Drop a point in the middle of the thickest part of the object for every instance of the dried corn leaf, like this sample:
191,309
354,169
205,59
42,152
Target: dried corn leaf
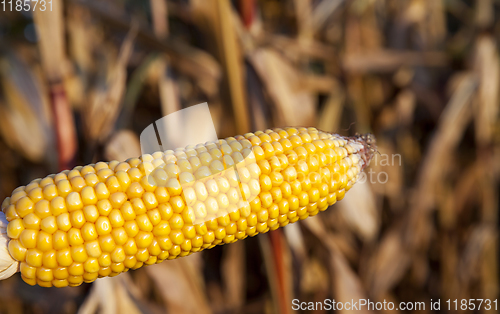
291,106
331,115
159,15
487,66
110,295
23,116
180,284
122,145
359,210
389,61
233,276
346,284
169,90
50,30
105,101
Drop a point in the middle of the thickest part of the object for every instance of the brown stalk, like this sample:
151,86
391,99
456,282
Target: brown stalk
50,30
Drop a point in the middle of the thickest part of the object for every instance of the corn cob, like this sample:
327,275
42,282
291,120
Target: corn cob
106,218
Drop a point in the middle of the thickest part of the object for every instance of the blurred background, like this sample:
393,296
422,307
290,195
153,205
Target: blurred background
80,81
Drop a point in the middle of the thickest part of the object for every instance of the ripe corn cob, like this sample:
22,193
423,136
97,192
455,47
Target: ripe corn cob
106,218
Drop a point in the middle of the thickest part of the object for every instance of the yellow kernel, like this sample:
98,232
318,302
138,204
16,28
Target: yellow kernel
58,206
104,174
276,194
212,206
313,195
77,183
220,233
42,209
91,179
148,183
113,185
117,199
123,179
149,200
142,255
242,224
138,205
75,237
176,221
104,261
93,249
162,195
143,239
154,249
101,191
44,274
17,251
134,174
303,198
135,190
266,199
90,213
144,223
17,195
119,235
89,232
209,237
177,204
78,254
103,226
116,219
186,177
107,243
130,262
189,231
76,269
49,192
274,211
75,281
61,273
35,194
60,240
14,228
177,237
87,169
212,187
118,255
49,259
34,257
123,166
130,247
91,265
74,201
131,228
49,224
27,270
24,206
265,182
263,215
63,222
252,220
44,241
77,218
127,211
28,237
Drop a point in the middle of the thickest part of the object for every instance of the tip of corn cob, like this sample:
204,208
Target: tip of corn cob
369,147
8,265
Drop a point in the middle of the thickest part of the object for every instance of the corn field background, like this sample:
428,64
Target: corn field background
79,83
